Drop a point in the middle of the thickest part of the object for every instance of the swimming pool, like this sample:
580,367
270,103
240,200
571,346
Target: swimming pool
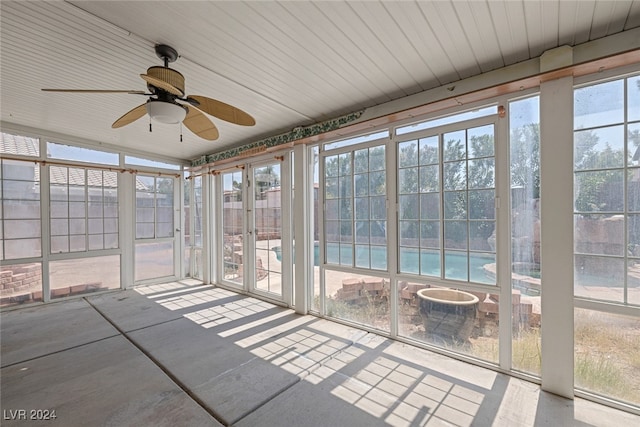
457,266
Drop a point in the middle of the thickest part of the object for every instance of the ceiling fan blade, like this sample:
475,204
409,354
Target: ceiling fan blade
130,116
154,81
200,124
223,111
133,92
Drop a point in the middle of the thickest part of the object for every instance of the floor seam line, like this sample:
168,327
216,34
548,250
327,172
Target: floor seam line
151,326
165,370
267,401
308,372
59,351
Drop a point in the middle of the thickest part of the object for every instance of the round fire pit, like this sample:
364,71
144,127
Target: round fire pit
448,314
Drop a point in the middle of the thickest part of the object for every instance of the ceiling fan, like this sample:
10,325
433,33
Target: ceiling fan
167,102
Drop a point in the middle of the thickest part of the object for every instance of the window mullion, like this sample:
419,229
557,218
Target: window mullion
441,204
353,209
86,210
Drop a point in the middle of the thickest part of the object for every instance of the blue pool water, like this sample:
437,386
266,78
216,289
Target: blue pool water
457,266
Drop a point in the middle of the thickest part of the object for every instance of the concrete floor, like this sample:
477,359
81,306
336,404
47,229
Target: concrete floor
187,354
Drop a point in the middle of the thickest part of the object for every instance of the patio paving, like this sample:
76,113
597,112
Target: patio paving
188,354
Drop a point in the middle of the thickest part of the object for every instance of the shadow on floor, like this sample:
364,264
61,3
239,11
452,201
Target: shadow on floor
213,356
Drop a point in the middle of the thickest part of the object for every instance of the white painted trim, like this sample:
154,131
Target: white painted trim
503,237
45,227
178,239
84,254
322,256
303,229
190,189
607,307
607,75
209,251
392,202
126,201
556,242
286,230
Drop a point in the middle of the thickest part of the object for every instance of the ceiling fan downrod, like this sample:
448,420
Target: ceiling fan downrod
166,53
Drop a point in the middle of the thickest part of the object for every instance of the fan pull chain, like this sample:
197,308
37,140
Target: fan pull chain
150,124
180,131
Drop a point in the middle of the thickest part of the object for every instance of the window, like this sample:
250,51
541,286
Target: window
197,215
433,123
232,226
83,209
130,160
606,199
153,260
21,283
355,208
446,197
524,147
357,140
154,207
197,228
607,191
355,234
193,226
67,152
20,231
20,220
70,277
267,221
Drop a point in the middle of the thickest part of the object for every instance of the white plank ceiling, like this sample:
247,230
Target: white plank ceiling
288,63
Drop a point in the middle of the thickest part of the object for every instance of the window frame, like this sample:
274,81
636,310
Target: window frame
351,148
585,302
86,187
439,131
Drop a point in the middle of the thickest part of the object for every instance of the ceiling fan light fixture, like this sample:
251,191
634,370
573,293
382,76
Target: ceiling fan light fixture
165,87
166,112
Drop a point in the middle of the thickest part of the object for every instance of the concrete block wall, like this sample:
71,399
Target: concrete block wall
20,283
20,278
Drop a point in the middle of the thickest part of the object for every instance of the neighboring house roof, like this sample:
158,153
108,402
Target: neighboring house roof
75,176
19,145
58,175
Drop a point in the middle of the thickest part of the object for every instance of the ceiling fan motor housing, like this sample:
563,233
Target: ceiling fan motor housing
167,75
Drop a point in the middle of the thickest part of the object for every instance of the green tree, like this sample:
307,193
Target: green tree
481,184
525,159
634,138
598,178
454,168
164,185
482,164
265,178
